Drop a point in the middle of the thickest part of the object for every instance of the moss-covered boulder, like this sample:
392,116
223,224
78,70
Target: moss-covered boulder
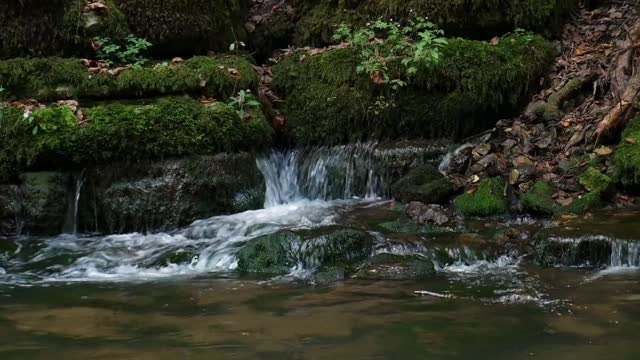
277,254
489,199
57,78
628,156
472,19
327,102
396,267
424,184
595,181
31,28
185,27
45,201
539,199
169,127
591,251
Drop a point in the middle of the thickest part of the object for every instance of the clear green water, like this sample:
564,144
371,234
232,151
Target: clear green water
237,319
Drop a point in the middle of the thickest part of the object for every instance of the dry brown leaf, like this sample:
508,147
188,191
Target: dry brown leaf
630,140
495,41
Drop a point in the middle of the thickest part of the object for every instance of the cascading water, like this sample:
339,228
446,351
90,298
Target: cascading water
71,226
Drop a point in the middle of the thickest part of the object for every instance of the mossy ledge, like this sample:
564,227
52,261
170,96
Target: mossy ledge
474,19
170,127
488,200
327,102
46,79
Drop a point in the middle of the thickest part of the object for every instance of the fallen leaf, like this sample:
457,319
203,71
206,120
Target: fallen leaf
582,50
176,60
233,71
630,140
566,123
568,217
565,201
475,179
472,190
495,41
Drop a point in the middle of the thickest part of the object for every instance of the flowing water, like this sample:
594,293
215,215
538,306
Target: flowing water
178,294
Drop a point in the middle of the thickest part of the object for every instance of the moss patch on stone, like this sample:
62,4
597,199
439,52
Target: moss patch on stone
595,181
627,158
487,200
538,200
116,132
328,102
57,78
424,184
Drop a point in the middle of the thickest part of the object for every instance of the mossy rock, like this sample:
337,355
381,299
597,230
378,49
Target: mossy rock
407,226
35,28
488,200
582,204
592,252
471,19
538,200
277,254
396,267
55,78
424,184
186,27
46,201
595,181
327,102
170,127
627,158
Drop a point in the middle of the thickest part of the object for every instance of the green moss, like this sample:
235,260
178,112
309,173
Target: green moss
186,26
169,127
488,200
55,27
538,200
594,180
474,19
54,78
628,156
328,102
268,254
582,204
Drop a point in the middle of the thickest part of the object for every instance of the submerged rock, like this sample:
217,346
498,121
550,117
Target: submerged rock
396,267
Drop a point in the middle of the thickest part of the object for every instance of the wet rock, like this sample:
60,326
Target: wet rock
278,253
487,200
45,201
481,151
538,200
427,214
457,161
10,210
396,267
424,184
486,163
172,193
590,251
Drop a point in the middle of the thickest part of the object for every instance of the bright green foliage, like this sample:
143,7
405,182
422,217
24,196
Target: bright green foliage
116,132
186,26
488,200
391,52
469,18
474,84
628,156
54,27
594,180
538,200
130,54
244,100
54,78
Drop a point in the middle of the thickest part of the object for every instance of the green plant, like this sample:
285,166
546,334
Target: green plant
243,100
236,45
48,120
129,54
390,52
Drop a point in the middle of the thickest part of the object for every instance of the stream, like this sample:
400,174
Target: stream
568,291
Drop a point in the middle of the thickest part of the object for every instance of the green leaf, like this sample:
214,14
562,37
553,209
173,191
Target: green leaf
34,131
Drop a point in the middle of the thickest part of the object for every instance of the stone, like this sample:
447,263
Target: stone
427,214
457,161
10,211
46,197
424,184
487,200
396,267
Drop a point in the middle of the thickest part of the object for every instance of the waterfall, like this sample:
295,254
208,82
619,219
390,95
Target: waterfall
340,172
625,253
71,224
